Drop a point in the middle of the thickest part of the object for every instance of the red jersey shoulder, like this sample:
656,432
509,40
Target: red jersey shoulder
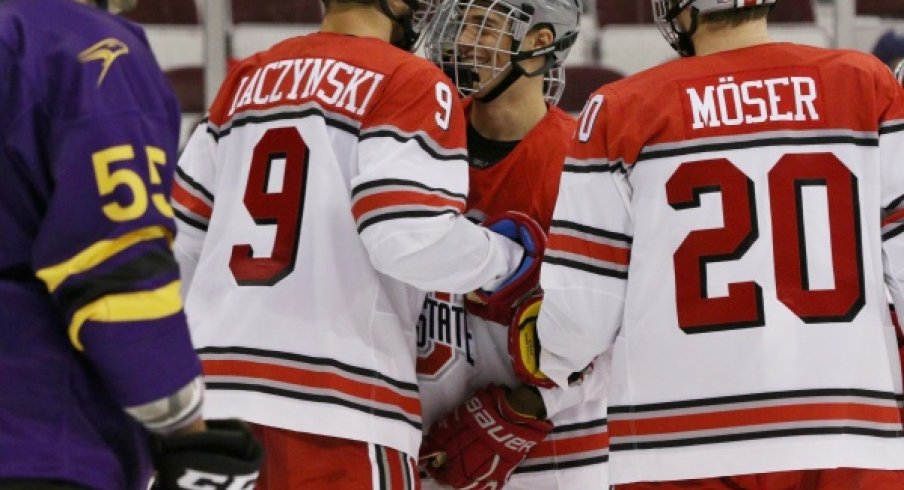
527,179
734,94
561,122
548,141
418,98
329,72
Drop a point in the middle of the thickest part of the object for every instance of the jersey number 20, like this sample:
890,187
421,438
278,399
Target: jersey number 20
743,306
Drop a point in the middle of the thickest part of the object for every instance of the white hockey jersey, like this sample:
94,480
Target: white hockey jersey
326,184
723,226
464,347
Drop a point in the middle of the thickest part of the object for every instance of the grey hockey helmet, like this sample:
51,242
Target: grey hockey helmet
479,42
665,13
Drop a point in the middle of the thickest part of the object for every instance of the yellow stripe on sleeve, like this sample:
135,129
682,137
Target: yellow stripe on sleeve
97,253
125,307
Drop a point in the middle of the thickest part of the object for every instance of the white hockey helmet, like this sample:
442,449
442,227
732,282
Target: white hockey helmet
478,42
665,13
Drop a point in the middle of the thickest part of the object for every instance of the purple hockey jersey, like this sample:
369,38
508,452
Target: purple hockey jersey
90,315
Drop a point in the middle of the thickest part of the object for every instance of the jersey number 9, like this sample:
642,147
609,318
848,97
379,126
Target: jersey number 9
282,208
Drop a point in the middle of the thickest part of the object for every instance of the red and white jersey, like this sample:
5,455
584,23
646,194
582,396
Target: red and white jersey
327,183
462,350
725,226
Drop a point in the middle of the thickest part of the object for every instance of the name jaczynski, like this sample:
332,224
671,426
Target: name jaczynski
334,83
731,103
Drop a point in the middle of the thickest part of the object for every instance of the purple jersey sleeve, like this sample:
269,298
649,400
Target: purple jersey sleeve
90,132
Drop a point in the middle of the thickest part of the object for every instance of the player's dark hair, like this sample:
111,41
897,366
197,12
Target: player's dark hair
734,18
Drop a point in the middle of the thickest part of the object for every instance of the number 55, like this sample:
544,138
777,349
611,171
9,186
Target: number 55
108,180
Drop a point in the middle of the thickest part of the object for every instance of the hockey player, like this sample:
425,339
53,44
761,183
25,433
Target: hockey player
326,185
503,55
94,349
723,227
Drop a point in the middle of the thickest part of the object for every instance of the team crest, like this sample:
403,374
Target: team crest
106,51
442,335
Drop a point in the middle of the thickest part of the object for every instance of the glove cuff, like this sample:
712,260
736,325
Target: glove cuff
524,230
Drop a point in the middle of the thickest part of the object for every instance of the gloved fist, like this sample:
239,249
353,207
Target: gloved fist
524,230
481,442
524,344
224,457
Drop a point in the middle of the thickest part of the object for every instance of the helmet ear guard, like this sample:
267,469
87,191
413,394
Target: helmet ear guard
414,23
409,35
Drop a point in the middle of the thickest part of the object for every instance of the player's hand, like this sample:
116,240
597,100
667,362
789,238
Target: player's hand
481,442
224,457
524,346
524,230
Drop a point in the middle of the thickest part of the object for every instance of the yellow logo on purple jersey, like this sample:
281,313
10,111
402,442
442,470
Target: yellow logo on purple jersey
106,51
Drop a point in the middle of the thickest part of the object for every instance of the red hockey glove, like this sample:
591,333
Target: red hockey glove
522,229
481,442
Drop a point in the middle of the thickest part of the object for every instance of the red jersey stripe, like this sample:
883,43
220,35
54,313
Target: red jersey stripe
402,198
893,217
754,416
316,380
190,202
598,251
571,445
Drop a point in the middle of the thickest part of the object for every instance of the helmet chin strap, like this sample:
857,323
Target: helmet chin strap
517,71
684,44
409,36
513,75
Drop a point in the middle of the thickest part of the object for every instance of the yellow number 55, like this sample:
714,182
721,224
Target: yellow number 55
108,180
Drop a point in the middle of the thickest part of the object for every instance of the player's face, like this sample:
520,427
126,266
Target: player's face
485,40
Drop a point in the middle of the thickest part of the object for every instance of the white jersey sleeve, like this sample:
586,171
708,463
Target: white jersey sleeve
410,191
586,264
192,201
891,147
592,387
